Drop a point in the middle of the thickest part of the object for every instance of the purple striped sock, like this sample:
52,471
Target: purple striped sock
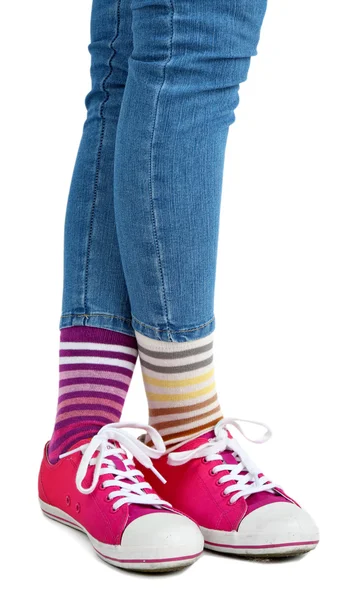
96,367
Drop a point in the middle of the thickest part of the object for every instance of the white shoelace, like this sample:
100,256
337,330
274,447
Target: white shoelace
126,486
244,474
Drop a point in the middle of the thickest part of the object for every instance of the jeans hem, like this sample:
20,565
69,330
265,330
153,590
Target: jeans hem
174,335
102,320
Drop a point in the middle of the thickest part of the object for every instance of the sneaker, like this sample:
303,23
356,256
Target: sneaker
97,489
212,479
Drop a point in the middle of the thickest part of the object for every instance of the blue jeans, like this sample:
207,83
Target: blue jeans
142,218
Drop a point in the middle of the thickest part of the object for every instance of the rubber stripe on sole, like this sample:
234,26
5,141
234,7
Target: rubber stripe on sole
263,547
57,518
150,560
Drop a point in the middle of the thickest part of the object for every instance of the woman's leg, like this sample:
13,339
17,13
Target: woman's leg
98,350
96,486
188,60
94,291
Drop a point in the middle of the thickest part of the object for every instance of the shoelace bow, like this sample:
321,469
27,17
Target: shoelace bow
126,486
244,474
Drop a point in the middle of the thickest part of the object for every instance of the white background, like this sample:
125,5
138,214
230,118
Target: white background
286,339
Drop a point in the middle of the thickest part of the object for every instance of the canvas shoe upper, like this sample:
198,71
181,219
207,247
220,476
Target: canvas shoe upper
212,479
96,488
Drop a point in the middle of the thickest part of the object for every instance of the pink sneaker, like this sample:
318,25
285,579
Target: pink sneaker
238,509
97,489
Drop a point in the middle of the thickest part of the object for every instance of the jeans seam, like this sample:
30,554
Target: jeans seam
173,331
99,154
86,315
151,169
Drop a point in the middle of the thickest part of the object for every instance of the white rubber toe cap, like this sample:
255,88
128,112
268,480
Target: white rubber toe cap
279,520
164,531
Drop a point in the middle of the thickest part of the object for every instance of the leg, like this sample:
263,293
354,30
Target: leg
94,291
94,485
188,61
98,350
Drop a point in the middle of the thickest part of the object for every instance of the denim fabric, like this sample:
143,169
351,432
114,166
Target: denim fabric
143,212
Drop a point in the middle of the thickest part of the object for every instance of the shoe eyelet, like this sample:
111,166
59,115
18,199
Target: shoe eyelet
211,472
219,483
204,461
101,487
68,500
114,510
107,499
78,508
224,494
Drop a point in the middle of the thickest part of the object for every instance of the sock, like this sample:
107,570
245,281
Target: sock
96,366
180,386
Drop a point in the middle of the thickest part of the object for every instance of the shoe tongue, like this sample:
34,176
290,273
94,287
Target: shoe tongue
207,436
117,459
227,455
195,442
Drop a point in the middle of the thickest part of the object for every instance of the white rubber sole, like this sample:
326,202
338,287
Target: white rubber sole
148,559
275,530
234,544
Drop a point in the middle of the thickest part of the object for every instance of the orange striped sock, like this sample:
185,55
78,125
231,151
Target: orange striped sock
180,387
